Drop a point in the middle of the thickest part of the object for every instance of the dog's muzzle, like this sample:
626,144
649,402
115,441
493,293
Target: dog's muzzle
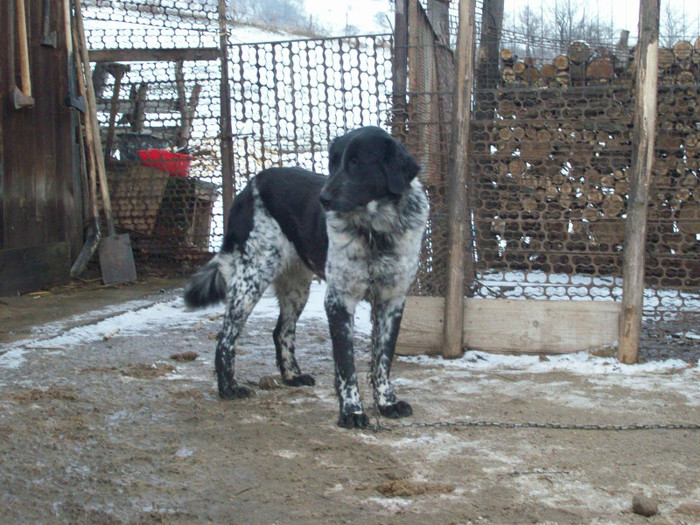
326,200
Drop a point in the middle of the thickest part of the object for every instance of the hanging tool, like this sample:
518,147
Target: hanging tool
23,97
48,37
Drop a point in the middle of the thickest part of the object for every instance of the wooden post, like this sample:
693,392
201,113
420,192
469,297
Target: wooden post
439,16
227,185
459,222
400,70
642,160
491,27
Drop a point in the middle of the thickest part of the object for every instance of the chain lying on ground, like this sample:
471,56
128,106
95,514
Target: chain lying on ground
552,426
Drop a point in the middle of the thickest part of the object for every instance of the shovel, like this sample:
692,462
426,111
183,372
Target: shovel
116,256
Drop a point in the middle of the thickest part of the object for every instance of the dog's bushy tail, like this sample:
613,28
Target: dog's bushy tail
208,285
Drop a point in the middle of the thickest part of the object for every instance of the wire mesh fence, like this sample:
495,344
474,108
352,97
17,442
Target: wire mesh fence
290,99
549,177
158,80
551,185
550,147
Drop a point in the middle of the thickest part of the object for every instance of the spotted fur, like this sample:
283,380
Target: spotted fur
360,228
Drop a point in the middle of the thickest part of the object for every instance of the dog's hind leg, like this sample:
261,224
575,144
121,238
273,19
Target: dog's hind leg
246,285
292,289
386,320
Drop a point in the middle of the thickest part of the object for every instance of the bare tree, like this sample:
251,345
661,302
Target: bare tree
544,33
673,25
530,25
567,23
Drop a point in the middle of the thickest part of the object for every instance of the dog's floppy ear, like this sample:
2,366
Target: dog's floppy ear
400,167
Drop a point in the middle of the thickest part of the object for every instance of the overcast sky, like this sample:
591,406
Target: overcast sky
362,14
625,13
336,14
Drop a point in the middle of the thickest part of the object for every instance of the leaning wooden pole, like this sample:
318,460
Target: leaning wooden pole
227,177
642,160
458,214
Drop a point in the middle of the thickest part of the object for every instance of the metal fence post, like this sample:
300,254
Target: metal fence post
642,160
227,182
459,220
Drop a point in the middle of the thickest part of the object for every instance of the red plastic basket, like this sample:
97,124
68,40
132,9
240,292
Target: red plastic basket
176,164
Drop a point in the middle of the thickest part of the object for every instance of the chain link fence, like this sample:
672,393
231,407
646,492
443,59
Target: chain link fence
290,99
551,183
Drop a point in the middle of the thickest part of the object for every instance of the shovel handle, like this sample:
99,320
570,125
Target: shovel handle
25,78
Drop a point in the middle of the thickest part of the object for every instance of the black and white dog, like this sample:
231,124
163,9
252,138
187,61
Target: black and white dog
360,229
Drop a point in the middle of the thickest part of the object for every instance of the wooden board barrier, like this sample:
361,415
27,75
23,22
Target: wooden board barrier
510,326
29,269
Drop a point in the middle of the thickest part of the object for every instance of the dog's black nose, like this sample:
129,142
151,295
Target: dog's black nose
325,199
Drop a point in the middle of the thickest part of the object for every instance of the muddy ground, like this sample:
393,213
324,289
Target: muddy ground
109,428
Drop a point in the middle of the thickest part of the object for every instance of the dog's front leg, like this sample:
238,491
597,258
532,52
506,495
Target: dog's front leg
340,310
386,320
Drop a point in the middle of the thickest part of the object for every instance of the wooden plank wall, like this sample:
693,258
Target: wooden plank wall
511,326
40,199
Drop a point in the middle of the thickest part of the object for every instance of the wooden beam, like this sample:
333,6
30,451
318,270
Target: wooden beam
491,28
459,234
228,186
439,16
399,73
510,326
640,178
153,55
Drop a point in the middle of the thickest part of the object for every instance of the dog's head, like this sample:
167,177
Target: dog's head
366,164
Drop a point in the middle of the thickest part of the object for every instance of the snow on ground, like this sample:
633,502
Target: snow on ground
145,317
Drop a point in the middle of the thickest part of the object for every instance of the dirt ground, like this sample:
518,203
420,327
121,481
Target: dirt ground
112,429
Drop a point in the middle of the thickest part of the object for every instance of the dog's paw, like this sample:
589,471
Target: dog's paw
235,392
397,410
355,420
300,380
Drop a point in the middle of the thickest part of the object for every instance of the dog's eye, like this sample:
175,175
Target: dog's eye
353,162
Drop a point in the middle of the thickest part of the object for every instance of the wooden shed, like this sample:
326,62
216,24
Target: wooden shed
41,213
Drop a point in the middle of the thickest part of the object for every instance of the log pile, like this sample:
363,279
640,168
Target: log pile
551,176
581,66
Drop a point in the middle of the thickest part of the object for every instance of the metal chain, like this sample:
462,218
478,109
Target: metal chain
530,424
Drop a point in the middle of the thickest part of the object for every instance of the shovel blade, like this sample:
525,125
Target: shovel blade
117,259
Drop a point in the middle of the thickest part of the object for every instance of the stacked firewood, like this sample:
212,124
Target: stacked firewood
680,64
582,66
552,166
